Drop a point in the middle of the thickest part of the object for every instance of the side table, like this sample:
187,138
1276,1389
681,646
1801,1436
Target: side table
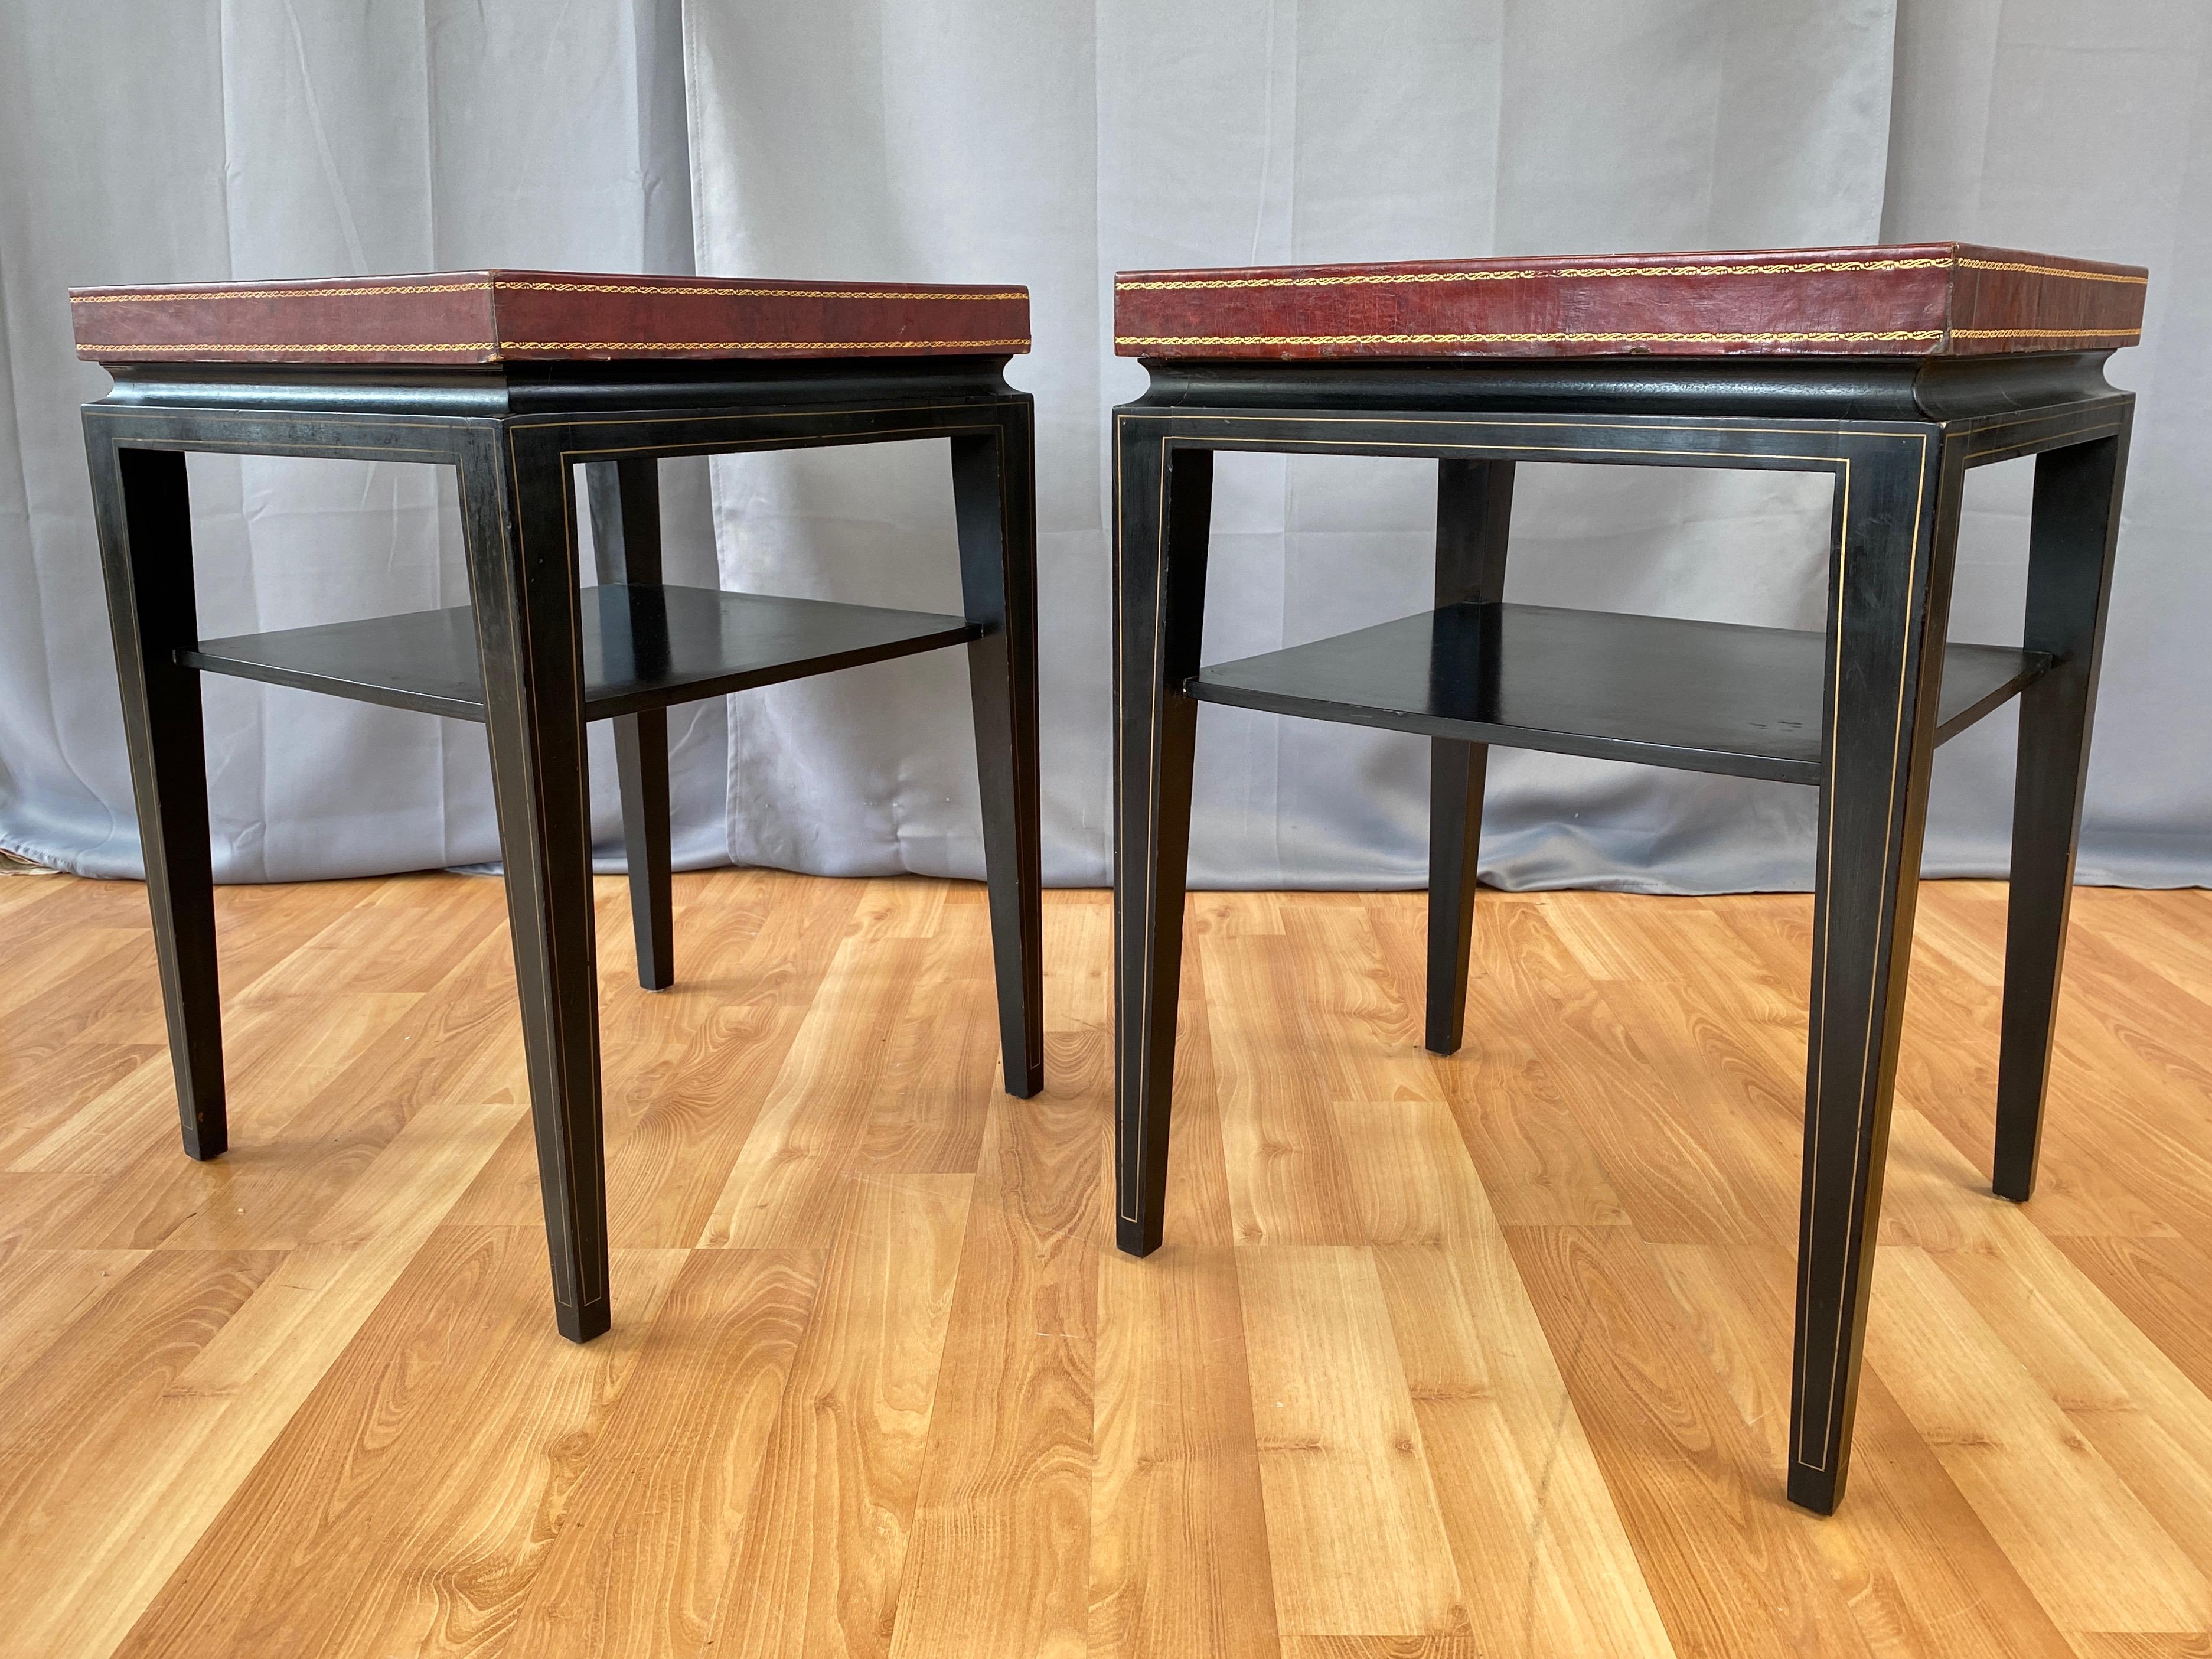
515,378
1893,369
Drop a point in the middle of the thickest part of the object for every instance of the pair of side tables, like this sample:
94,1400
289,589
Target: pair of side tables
1892,369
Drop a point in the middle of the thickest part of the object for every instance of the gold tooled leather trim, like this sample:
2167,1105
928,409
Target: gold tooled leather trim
1571,337
2053,271
157,296
726,291
1531,273
650,346
215,350
2047,333
767,293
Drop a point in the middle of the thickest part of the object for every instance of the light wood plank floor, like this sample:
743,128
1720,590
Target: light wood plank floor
1444,1358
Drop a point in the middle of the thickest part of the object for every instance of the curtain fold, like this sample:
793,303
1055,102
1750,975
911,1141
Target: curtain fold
995,140
205,139
2087,130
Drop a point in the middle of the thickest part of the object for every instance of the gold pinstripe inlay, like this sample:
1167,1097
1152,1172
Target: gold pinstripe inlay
1532,273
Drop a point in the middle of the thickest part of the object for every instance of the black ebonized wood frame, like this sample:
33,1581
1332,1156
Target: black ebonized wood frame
1898,438
514,436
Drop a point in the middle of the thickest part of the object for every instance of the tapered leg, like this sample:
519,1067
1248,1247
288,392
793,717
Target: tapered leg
994,503
1475,512
522,579
2069,576
1898,510
1164,498
146,554
625,497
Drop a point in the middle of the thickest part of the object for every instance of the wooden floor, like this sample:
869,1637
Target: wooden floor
1443,1357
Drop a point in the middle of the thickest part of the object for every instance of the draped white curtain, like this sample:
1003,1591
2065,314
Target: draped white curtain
2086,130
173,140
1010,141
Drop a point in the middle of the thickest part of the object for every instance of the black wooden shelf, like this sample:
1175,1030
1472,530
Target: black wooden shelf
1705,696
644,646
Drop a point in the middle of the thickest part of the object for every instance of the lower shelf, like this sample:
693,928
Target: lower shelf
644,646
1703,697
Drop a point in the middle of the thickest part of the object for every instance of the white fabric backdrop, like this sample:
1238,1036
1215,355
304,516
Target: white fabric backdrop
2086,129
172,140
1048,144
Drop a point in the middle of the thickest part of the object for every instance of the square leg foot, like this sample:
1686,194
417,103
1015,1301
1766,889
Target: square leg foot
582,1324
1817,1490
1134,1238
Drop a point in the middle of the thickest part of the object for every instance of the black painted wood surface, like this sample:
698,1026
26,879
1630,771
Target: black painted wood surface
645,647
994,500
1705,696
2073,534
535,658
144,519
1165,504
1890,587
522,583
625,507
1856,711
1474,518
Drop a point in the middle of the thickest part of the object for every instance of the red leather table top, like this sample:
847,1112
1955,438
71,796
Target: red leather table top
1909,300
506,316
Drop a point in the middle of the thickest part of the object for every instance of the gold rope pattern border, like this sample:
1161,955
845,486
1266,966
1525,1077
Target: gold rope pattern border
1522,274
767,292
712,291
157,296
2046,334
1532,274
215,351
649,346
2054,271
1594,338
1577,337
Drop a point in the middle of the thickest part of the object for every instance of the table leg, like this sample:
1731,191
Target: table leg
625,501
1897,530
2069,578
994,505
1165,498
522,580
144,515
1475,514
